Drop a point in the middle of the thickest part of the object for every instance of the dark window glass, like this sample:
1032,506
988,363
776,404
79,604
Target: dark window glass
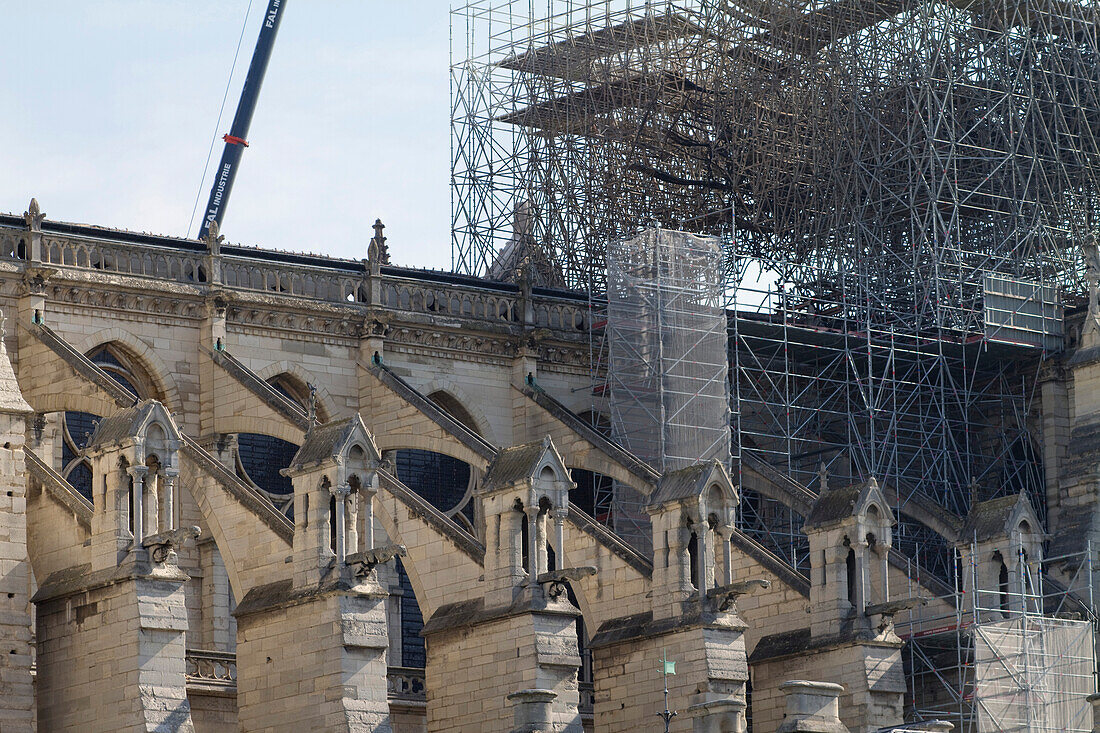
440,479
262,457
412,621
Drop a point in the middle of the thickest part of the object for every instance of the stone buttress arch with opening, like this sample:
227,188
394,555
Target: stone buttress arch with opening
432,575
303,375
481,426
150,361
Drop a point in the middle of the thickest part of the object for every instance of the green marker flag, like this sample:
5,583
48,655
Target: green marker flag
669,667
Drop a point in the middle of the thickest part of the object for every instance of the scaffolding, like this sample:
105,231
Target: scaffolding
900,188
1018,658
667,376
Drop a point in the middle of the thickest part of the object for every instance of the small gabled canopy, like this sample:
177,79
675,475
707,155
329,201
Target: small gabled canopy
332,443
691,485
999,518
850,502
132,425
523,464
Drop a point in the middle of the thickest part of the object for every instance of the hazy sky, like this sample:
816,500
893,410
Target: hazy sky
110,107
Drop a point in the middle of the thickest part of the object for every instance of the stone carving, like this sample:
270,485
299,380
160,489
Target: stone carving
34,216
556,582
214,239
162,546
726,596
377,251
1091,249
362,563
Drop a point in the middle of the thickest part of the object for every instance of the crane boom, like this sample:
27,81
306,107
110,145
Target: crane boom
237,139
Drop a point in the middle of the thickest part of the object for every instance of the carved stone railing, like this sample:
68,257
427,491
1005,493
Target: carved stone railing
13,243
406,684
338,286
447,300
215,671
303,276
211,671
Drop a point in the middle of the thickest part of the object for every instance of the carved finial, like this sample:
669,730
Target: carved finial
973,487
213,238
1091,249
34,216
822,478
312,406
378,252
872,483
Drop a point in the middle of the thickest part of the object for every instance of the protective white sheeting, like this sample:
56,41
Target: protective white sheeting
1033,674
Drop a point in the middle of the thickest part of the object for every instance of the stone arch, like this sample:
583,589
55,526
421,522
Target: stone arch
275,428
448,386
413,441
154,366
295,370
97,403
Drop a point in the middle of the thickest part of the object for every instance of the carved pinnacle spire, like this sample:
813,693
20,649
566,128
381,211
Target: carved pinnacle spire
214,238
378,251
34,216
822,478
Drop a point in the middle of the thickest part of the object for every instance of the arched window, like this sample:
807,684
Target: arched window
260,458
450,405
693,560
1002,581
853,577
77,427
296,391
442,480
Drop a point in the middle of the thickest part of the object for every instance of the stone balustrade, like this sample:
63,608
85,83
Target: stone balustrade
302,276
211,670
406,684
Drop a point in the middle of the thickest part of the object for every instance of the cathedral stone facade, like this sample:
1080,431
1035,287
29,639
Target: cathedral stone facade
260,491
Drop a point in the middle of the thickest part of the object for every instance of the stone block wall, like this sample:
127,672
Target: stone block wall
16,691
872,675
472,670
111,657
315,664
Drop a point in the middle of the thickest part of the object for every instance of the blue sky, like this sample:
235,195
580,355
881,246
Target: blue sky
111,105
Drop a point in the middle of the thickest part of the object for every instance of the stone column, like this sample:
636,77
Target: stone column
531,710
352,523
340,494
168,500
137,512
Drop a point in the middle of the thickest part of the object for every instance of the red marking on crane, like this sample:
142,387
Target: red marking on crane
234,140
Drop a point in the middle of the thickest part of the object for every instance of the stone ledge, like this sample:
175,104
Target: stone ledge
455,616
799,642
282,594
642,626
81,579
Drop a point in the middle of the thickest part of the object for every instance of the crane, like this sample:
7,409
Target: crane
237,138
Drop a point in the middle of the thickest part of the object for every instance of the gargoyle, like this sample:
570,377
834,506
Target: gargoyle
361,563
726,595
556,581
162,545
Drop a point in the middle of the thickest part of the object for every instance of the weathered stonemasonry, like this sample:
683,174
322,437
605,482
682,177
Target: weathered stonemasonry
16,691
205,483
